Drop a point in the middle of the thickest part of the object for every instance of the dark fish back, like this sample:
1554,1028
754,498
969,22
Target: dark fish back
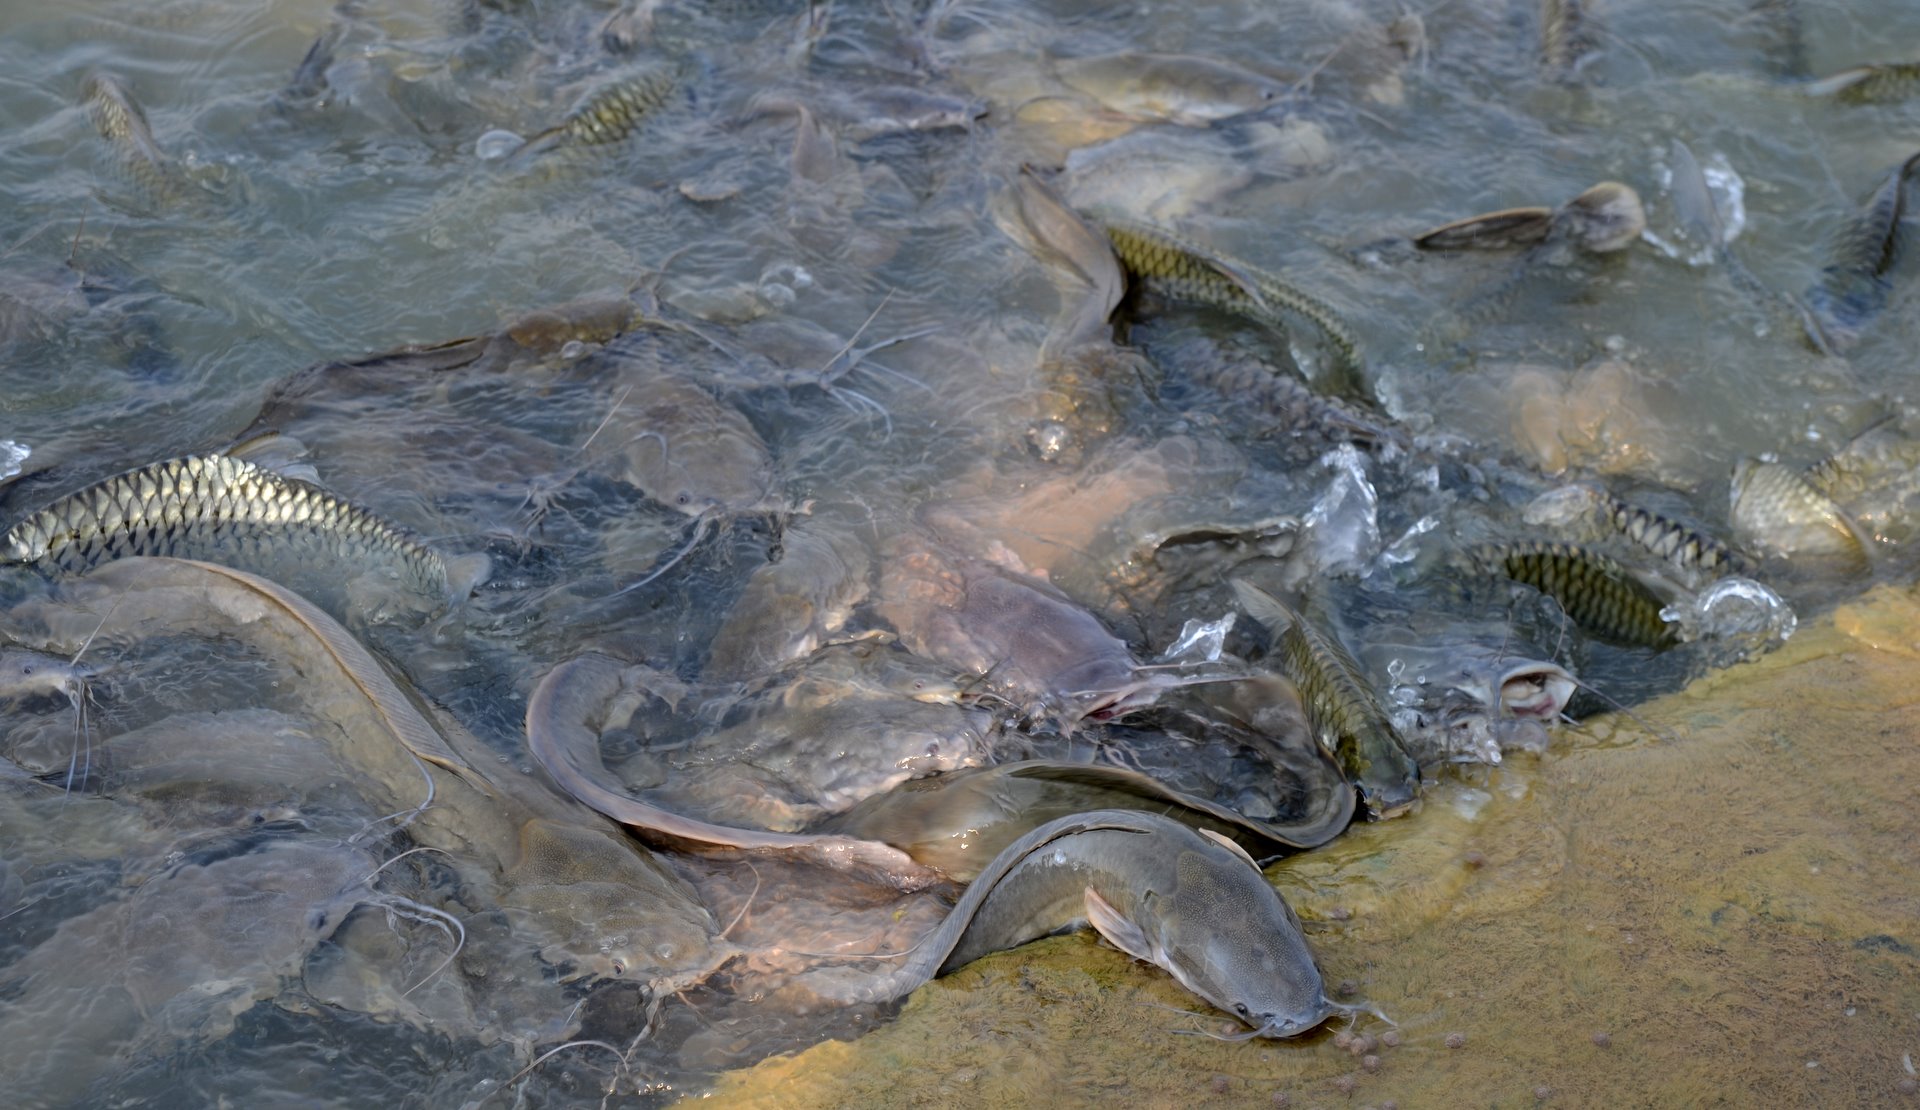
1593,590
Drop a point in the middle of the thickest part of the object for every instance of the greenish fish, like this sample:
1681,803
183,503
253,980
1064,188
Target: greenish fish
1776,509
616,111
609,114
201,505
1189,902
1341,707
1687,549
1283,406
1592,589
154,177
1566,37
1185,271
1870,84
1854,288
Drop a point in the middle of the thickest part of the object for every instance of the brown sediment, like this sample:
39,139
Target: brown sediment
1733,899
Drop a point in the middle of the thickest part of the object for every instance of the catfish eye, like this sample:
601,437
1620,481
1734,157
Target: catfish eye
619,968
1241,1009
684,498
26,668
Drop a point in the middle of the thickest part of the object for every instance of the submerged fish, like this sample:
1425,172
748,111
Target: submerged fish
1853,288
1188,902
788,607
688,451
497,826
1594,591
561,715
1186,271
1566,37
1776,509
961,820
178,957
853,720
1180,88
609,114
1278,402
155,178
1031,645
1341,706
1870,83
1784,36
1876,479
200,506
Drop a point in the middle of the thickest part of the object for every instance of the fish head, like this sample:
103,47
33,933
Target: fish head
1228,936
25,672
1607,217
1531,689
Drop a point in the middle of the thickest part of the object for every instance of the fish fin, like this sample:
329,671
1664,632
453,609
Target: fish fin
1230,845
1118,931
278,452
1838,82
465,574
1693,202
1489,230
1263,606
1242,279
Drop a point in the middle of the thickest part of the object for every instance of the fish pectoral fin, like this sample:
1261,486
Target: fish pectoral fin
1119,932
278,452
1241,279
1230,845
1263,606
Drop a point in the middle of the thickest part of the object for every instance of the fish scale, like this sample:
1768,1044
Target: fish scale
184,505
1292,409
118,117
1190,272
1675,542
1593,590
1341,708
616,111
1776,508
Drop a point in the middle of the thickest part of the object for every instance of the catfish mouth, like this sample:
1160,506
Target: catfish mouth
1538,691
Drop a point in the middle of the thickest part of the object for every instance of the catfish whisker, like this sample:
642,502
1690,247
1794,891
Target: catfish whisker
397,906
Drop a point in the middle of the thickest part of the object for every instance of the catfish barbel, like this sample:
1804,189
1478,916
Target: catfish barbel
1190,902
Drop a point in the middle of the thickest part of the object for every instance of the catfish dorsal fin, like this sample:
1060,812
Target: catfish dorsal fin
1113,925
1230,845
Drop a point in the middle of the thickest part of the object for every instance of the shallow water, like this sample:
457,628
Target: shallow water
309,217
1710,905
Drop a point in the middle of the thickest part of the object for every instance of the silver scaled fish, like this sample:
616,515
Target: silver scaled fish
198,506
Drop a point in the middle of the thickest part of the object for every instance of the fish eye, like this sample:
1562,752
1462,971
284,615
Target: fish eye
684,498
619,968
26,668
1241,1009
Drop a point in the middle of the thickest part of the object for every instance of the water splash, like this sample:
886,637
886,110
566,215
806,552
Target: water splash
12,454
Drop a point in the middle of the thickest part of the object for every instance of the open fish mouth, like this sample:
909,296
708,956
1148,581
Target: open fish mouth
1536,690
